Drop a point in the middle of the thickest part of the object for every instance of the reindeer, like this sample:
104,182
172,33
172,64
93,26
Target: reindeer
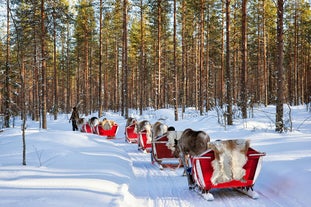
158,129
144,126
191,143
130,121
80,123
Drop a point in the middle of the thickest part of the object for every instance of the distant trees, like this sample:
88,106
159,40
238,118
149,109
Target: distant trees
120,54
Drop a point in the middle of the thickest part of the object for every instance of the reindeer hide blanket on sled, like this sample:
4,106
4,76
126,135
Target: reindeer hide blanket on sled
230,157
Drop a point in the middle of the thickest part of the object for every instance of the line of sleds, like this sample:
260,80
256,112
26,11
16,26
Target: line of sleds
107,128
215,168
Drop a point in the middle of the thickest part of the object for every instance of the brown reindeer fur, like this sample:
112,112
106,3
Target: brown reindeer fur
173,137
93,121
80,123
130,121
230,157
158,129
192,142
144,126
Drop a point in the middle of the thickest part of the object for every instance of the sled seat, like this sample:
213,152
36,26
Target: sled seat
130,134
160,150
162,155
143,143
202,170
110,133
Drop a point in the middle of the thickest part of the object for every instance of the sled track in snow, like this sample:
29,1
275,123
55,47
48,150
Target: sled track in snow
165,188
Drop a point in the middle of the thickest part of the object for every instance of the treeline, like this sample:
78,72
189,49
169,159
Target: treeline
121,54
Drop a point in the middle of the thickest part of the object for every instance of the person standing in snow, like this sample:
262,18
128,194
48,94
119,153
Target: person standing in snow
74,117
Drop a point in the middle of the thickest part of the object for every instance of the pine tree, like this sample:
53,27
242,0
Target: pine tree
84,32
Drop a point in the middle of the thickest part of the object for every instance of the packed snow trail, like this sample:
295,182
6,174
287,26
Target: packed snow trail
165,188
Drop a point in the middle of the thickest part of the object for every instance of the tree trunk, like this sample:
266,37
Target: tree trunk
100,105
183,58
86,76
264,47
279,124
23,108
36,81
158,86
221,75
43,68
125,62
142,59
68,79
116,78
175,69
201,56
244,61
207,98
228,69
7,98
296,45
55,105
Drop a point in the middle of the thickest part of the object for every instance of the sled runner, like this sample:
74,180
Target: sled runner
110,133
87,128
143,143
161,154
130,135
202,172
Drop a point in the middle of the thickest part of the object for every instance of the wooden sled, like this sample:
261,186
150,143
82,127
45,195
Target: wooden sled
162,155
202,172
143,143
110,133
130,135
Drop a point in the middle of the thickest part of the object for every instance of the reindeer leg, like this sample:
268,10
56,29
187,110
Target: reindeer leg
179,163
183,161
187,171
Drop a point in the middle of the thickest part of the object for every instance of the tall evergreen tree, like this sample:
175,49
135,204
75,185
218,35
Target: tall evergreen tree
84,33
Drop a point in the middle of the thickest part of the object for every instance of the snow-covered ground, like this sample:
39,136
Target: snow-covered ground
66,168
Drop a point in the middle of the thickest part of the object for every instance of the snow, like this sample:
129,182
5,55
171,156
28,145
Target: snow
66,168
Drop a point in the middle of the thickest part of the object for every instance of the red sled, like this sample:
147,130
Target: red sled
130,135
87,128
143,143
161,154
110,133
202,172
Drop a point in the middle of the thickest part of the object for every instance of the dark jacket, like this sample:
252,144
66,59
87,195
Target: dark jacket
74,115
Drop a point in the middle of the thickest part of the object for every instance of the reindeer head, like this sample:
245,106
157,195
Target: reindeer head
130,121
